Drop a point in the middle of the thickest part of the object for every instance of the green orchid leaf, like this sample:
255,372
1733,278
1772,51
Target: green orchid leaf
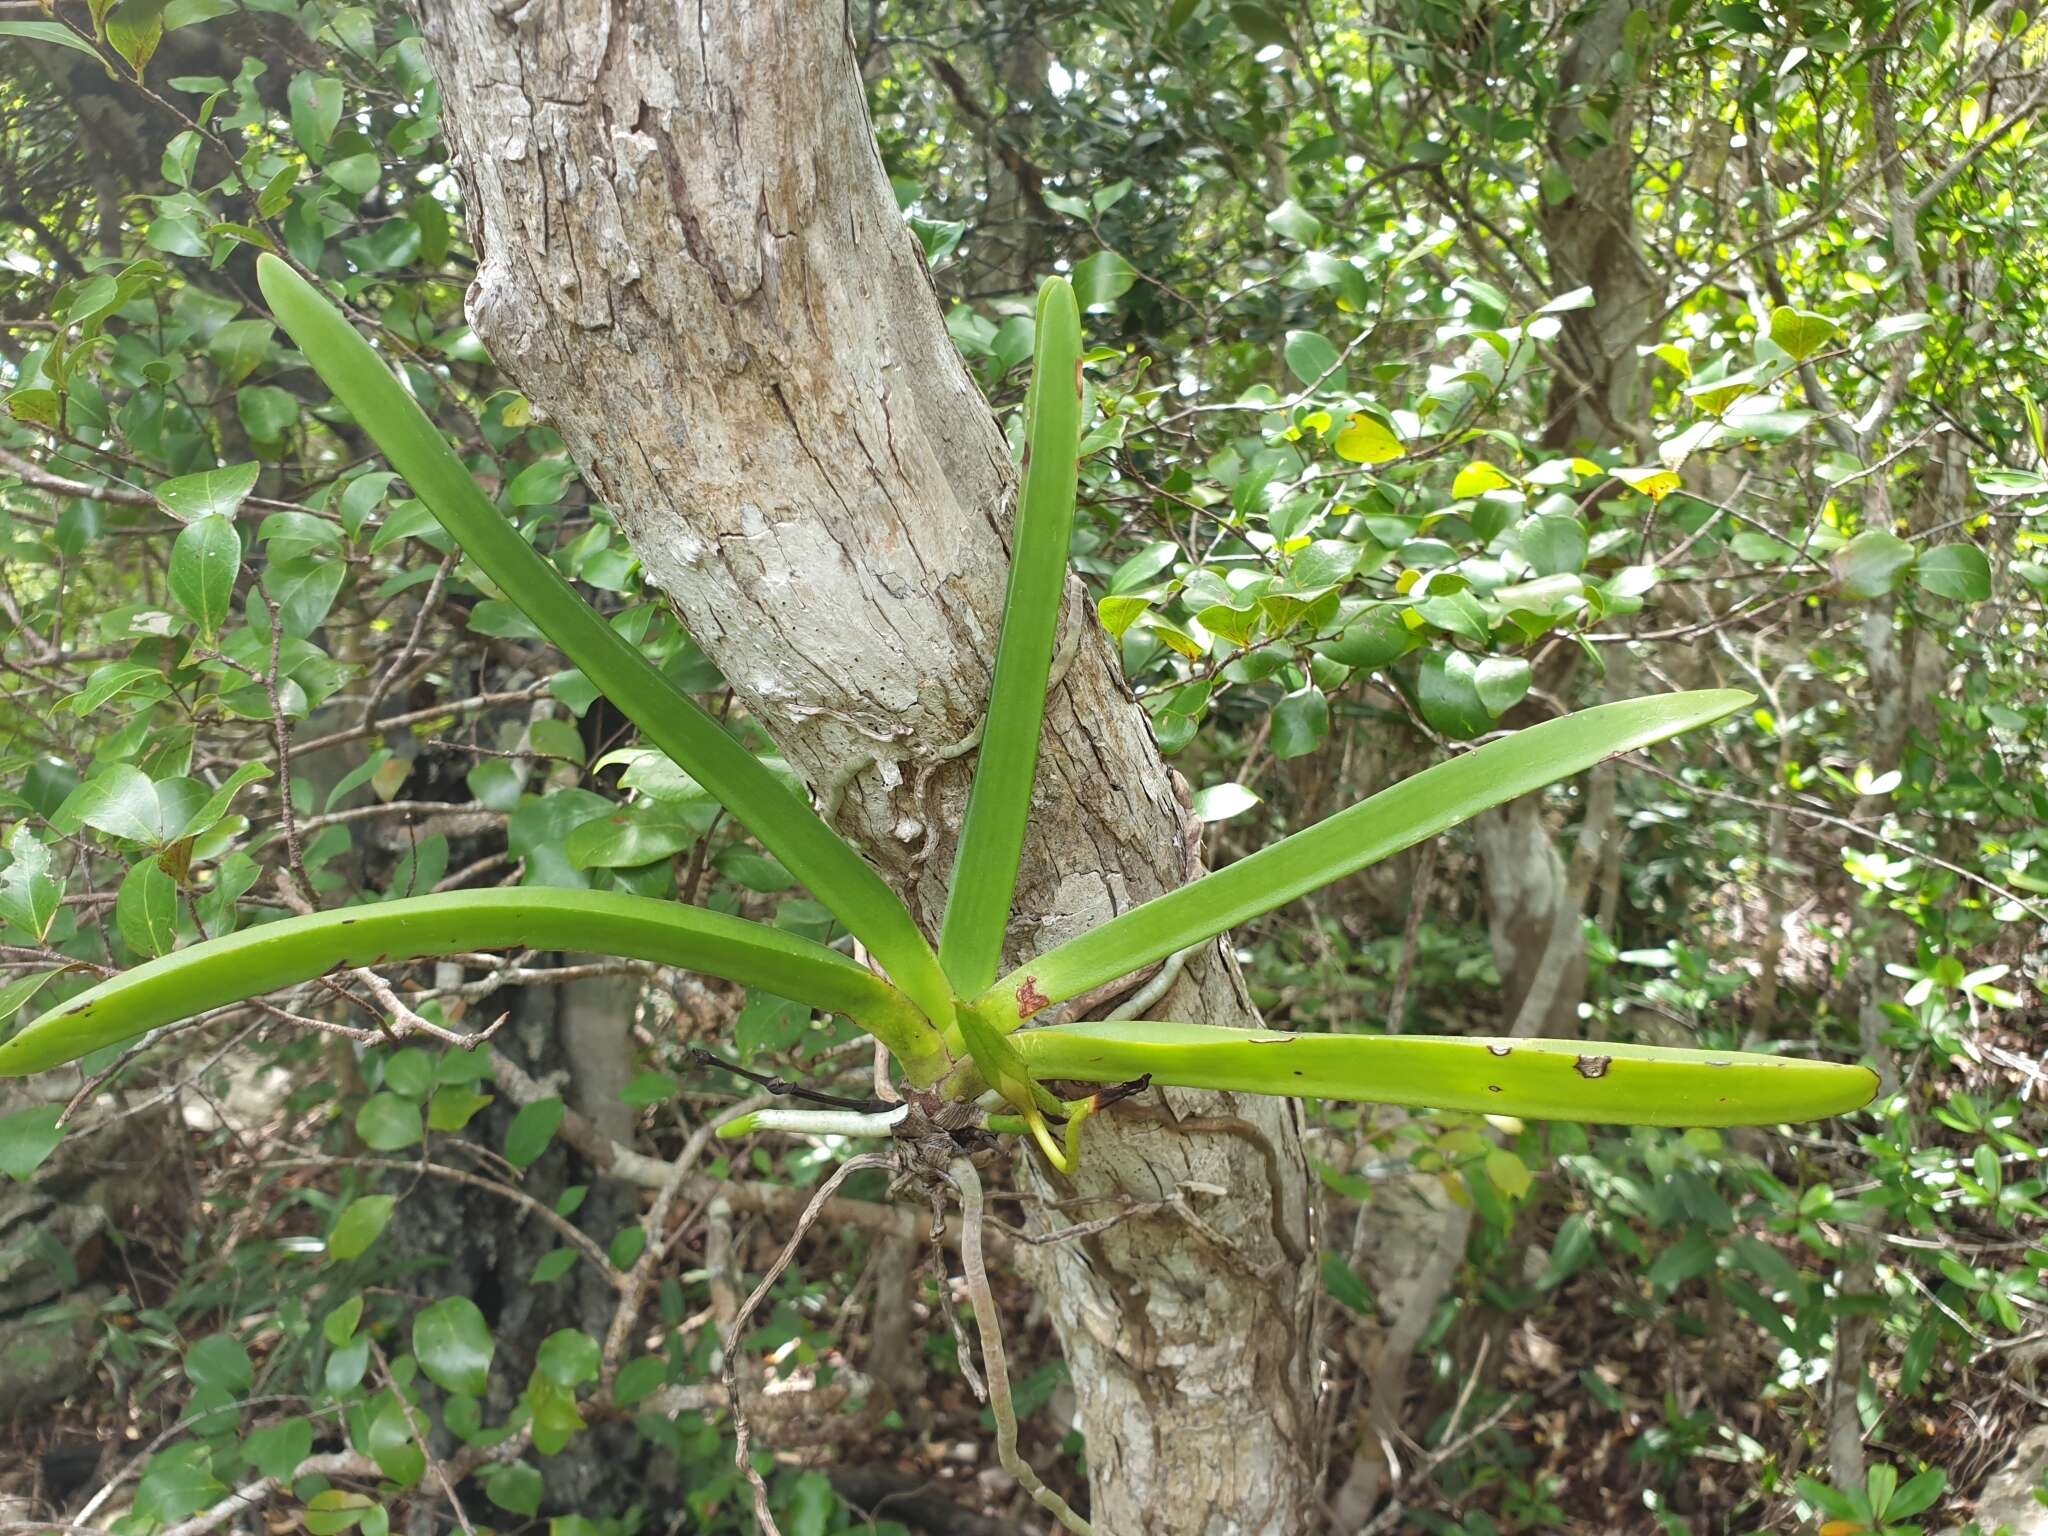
1599,1083
999,805
668,717
995,1060
263,959
1418,807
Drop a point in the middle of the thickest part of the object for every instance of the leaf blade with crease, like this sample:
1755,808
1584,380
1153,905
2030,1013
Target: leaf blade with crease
1602,1083
1419,807
790,829
999,804
262,959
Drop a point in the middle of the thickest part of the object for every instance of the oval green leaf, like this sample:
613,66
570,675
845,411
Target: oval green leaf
454,1346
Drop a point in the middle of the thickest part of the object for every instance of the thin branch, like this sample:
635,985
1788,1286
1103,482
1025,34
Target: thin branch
1860,829
567,1230
633,1289
57,485
742,1432
419,1437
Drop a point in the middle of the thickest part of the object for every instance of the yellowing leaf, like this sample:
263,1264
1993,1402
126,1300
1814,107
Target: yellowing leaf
1801,332
1367,441
1677,358
36,407
1509,1173
1652,482
1476,479
1177,638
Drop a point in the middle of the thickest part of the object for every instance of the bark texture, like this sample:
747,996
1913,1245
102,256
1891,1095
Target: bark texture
691,262
1590,240
1525,883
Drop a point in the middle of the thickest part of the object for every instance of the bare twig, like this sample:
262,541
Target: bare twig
34,474
1860,829
419,1437
334,1464
741,1430
633,1289
567,1230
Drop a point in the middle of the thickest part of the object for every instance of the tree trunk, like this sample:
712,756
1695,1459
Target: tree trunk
1525,882
1598,399
1590,240
690,260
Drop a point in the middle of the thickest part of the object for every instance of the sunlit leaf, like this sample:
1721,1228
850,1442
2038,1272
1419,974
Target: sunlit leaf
1368,440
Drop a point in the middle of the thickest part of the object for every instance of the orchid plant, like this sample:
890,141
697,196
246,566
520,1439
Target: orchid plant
953,1025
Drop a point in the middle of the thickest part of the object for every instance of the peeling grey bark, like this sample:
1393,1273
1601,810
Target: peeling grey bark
691,262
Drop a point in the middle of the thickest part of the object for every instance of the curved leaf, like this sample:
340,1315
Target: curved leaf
668,717
262,959
1599,1083
1418,807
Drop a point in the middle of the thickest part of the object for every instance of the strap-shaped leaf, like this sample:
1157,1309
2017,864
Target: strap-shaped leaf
1419,807
668,717
999,804
1599,1083
262,959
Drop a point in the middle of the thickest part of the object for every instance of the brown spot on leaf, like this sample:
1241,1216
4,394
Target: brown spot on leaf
1592,1066
1029,999
1493,1088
